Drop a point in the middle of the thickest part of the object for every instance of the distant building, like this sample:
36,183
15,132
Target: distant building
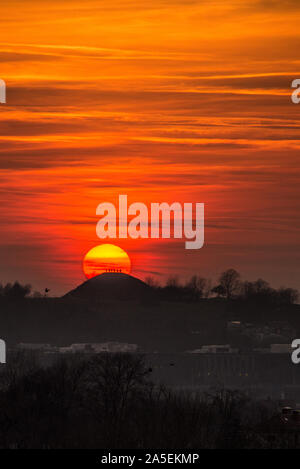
111,347
215,349
36,346
115,347
281,348
272,332
82,347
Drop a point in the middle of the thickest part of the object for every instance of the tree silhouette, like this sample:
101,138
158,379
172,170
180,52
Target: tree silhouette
229,283
15,291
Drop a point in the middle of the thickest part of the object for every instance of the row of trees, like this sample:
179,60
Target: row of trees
14,291
17,291
109,402
229,286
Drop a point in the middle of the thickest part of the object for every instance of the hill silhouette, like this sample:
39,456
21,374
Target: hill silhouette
112,286
120,307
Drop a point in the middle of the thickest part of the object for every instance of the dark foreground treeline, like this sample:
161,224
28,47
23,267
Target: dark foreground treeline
109,402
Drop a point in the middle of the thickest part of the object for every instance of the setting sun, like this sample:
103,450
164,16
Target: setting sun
106,258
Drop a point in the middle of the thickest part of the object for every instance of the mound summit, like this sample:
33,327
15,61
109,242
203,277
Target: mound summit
112,286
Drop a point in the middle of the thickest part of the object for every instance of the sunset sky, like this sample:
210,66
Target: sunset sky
163,100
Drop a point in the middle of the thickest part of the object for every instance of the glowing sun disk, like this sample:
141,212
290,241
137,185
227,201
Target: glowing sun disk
106,258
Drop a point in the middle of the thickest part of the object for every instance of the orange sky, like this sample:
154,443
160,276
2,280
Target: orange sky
163,100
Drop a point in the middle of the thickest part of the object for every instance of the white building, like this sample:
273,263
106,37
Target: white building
36,346
215,349
111,347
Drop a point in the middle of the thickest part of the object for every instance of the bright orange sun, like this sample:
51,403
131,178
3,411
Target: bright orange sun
106,258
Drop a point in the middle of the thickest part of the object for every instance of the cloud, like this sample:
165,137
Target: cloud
12,56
